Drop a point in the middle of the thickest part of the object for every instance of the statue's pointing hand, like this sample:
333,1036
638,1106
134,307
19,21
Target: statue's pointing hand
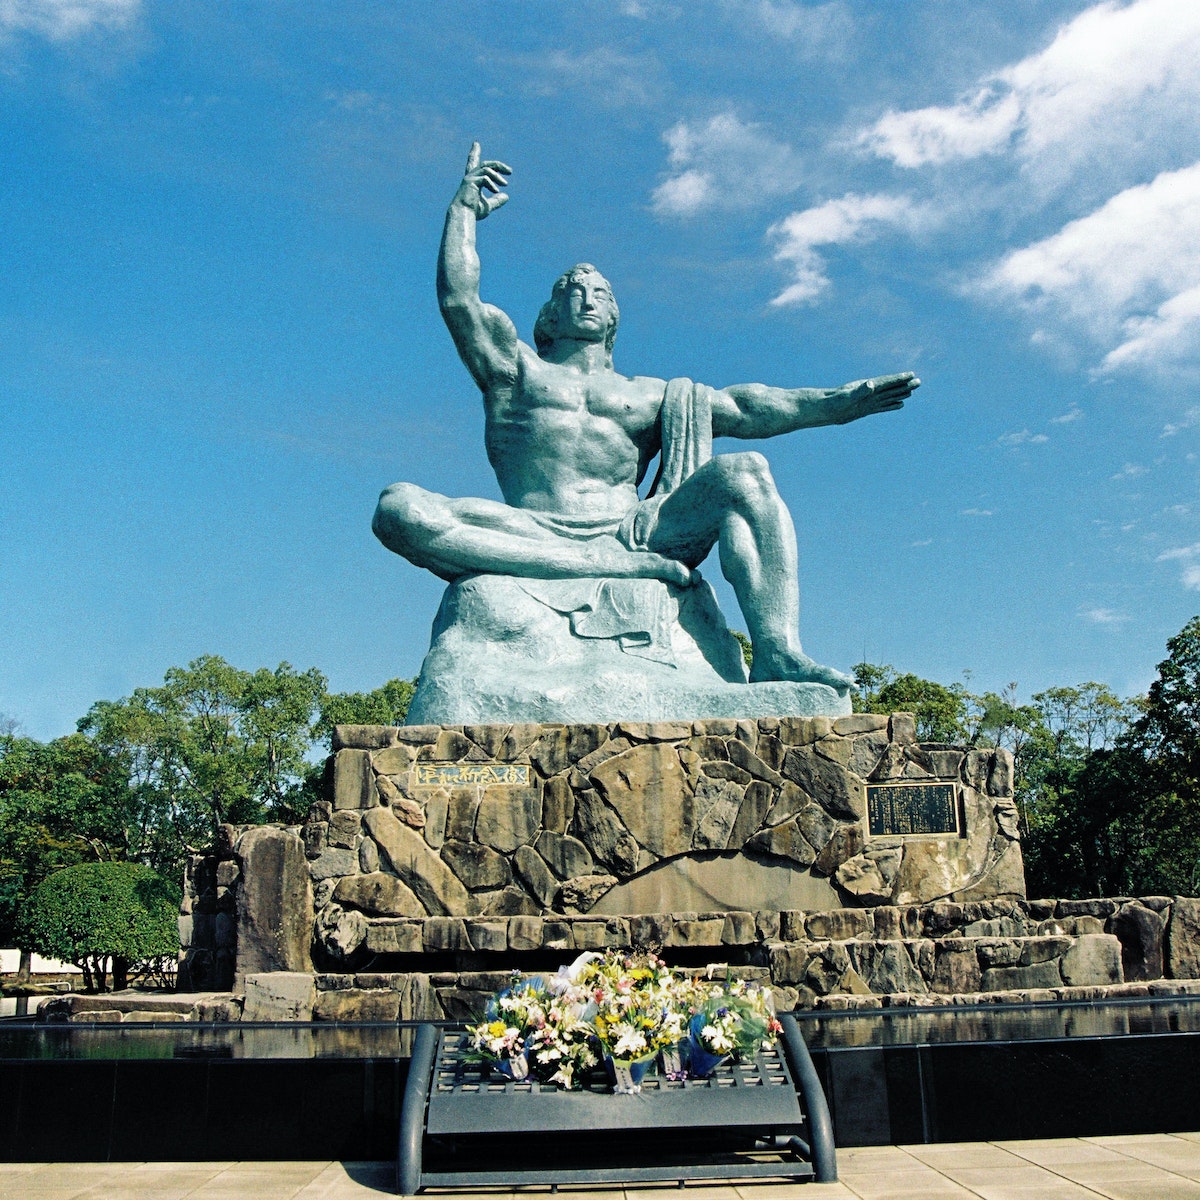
887,392
480,178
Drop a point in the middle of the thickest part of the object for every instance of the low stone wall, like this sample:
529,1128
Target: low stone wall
981,952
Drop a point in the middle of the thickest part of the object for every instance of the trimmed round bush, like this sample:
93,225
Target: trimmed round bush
101,913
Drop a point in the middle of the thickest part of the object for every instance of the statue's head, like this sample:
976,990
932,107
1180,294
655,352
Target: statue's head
556,314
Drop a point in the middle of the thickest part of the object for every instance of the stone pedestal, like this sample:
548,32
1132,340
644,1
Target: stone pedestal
475,848
586,650
635,818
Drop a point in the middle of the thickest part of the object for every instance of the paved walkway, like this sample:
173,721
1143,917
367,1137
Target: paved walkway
1147,1167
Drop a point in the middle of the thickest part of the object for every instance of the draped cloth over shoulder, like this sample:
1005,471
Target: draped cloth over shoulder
635,612
686,420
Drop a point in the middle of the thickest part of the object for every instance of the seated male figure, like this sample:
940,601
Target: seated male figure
570,440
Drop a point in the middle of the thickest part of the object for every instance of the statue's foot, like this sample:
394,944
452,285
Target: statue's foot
796,667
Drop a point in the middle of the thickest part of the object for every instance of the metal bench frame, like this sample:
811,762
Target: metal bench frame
448,1100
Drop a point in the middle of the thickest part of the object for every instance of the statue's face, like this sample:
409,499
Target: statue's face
587,309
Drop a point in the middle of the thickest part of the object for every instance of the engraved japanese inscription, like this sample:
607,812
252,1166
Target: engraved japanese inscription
470,774
897,809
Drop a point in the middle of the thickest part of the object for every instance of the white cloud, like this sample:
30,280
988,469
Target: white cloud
60,20
1127,273
1074,413
1172,332
1189,556
1022,437
610,78
851,218
812,25
922,542
981,124
976,512
650,10
1187,421
1108,617
1130,471
723,163
684,194
1098,81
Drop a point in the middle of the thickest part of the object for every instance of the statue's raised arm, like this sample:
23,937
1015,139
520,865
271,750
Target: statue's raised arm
485,336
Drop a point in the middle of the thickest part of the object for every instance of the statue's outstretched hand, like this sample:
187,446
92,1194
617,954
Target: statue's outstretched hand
481,178
887,392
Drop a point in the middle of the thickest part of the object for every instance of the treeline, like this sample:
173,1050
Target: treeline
147,779
1108,788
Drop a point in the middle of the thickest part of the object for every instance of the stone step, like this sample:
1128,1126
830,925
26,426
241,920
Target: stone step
1158,989
132,1005
946,966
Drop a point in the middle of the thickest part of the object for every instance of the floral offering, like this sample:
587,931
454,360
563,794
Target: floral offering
634,1001
626,1010
511,1018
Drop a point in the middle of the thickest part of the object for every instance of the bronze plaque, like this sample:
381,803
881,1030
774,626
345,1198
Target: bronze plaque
897,809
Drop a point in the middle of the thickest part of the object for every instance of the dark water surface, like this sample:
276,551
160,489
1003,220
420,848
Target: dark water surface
1000,1023
950,1025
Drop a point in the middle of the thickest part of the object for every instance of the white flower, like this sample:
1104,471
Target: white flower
716,1039
672,1025
629,1041
569,976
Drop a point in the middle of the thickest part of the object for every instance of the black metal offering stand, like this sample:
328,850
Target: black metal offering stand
463,1125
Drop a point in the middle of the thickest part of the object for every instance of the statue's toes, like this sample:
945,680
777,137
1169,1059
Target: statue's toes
838,680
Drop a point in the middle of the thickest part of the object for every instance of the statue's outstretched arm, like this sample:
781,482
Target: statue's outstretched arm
485,337
754,410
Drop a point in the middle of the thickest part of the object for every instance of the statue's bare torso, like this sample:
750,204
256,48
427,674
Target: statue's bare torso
562,441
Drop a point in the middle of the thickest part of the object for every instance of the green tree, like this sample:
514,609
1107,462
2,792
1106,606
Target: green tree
104,915
61,803
386,705
212,744
1115,808
746,646
940,711
1170,722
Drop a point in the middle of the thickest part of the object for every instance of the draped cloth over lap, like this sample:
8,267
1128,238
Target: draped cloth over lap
637,617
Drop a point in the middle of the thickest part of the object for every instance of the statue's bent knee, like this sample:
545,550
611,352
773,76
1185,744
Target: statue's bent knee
746,474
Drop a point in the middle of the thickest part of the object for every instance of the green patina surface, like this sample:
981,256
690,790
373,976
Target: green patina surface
571,440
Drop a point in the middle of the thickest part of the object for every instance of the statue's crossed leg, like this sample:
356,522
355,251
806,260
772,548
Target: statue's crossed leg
730,501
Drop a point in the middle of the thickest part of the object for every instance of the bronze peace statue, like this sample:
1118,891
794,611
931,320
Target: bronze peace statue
576,599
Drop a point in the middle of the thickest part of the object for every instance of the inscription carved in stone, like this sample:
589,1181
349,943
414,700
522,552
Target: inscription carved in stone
899,809
470,774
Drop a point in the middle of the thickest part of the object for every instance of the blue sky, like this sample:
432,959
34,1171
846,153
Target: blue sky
219,337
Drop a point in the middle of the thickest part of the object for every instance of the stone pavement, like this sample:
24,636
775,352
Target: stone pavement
1142,1167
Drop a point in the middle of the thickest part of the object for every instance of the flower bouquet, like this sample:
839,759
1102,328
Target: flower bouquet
735,1020
635,1013
625,1010
561,1049
503,1038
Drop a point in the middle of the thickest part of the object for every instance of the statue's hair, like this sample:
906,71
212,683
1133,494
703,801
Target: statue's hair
545,328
